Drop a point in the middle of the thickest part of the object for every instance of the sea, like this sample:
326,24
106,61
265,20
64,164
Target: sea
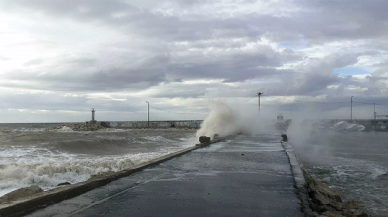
33,154
350,160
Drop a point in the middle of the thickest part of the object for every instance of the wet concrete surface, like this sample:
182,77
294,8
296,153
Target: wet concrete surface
244,176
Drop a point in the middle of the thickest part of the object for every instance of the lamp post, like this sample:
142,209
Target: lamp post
259,94
351,108
374,111
148,113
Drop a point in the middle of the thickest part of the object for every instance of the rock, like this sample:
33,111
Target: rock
355,213
360,214
79,127
317,186
204,139
20,193
328,202
64,183
329,193
322,200
331,214
351,204
310,182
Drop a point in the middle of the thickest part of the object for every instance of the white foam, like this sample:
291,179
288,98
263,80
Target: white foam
157,139
65,129
376,172
23,165
345,126
29,130
50,169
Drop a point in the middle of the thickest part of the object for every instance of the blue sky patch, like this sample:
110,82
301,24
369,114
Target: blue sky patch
351,71
294,45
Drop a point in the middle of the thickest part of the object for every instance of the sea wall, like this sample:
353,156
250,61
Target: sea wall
192,124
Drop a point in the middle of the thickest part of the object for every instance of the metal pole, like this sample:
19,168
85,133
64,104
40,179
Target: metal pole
374,111
259,94
351,108
148,113
93,114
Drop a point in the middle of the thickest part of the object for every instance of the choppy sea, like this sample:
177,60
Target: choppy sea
354,163
32,154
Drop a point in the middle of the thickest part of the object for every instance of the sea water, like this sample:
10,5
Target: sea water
350,160
354,163
32,154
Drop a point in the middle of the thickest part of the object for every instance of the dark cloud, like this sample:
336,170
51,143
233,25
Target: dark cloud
150,73
315,21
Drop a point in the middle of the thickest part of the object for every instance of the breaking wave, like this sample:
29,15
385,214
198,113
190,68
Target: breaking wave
49,172
349,127
48,158
225,120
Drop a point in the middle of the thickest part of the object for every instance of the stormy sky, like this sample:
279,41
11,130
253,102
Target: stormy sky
59,59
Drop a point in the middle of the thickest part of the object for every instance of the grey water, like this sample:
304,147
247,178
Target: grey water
34,154
354,163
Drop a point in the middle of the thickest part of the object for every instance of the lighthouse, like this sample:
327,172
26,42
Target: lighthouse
93,121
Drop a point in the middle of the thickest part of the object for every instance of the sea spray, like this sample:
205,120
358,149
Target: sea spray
225,120
221,120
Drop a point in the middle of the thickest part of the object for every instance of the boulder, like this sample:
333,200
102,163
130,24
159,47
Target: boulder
321,200
351,204
331,214
328,192
64,183
204,139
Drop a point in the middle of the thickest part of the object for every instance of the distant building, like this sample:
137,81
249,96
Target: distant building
93,121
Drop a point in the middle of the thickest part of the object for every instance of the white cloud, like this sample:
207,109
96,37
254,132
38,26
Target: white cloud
115,55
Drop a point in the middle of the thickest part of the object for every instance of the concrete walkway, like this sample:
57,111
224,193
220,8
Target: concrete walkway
244,176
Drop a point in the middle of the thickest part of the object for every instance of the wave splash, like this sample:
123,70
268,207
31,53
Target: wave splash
349,127
51,172
226,120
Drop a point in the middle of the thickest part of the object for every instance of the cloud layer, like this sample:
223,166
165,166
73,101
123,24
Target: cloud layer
113,55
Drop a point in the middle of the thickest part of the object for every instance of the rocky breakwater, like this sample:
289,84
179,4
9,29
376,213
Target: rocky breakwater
77,127
327,202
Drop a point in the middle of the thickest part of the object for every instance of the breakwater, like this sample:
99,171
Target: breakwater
191,124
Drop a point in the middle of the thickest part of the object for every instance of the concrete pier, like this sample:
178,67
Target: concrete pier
243,176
